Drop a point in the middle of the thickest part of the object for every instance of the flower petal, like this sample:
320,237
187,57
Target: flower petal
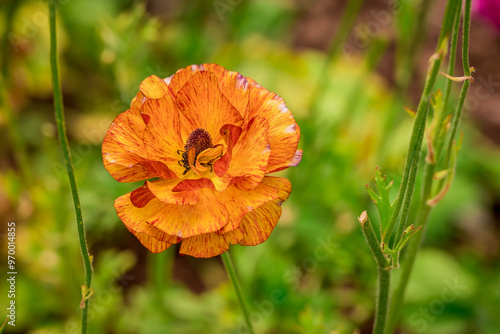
258,224
141,196
231,134
233,85
162,134
204,106
135,219
249,158
209,244
162,189
193,184
183,221
284,133
122,151
153,87
240,202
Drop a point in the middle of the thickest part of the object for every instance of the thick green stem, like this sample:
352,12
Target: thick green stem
406,267
384,274
61,128
231,273
382,307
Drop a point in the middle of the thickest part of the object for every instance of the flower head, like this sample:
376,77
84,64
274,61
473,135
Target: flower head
204,140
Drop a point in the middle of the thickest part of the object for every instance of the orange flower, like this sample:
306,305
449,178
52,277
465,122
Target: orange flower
204,139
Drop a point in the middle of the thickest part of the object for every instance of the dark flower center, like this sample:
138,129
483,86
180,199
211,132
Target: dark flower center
199,139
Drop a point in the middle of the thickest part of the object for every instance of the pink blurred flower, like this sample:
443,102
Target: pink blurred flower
488,10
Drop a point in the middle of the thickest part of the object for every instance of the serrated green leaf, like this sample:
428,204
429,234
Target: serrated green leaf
381,199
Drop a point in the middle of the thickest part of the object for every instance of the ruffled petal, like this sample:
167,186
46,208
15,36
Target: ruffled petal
123,151
183,221
240,202
153,87
284,133
162,138
179,79
231,134
209,244
233,85
162,189
204,106
249,158
258,224
135,219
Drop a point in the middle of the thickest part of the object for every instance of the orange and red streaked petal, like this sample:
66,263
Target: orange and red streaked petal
153,87
162,189
161,136
121,152
240,202
233,85
135,219
204,106
121,133
183,221
249,157
258,224
209,244
284,133
231,135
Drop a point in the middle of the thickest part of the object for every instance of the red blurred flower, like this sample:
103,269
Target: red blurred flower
207,137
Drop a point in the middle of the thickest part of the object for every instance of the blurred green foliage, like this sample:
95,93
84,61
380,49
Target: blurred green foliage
314,274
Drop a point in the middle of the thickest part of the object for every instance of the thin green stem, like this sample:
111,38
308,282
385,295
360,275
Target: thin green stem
61,128
439,138
231,273
424,209
416,137
411,179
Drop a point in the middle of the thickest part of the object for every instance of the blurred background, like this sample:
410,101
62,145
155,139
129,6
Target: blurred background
315,273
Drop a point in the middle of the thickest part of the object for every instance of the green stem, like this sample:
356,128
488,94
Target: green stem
231,273
384,274
438,144
411,179
416,137
424,209
384,283
61,128
372,241
398,294
159,266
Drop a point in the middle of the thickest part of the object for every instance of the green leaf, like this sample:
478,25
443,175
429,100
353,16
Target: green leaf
381,199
